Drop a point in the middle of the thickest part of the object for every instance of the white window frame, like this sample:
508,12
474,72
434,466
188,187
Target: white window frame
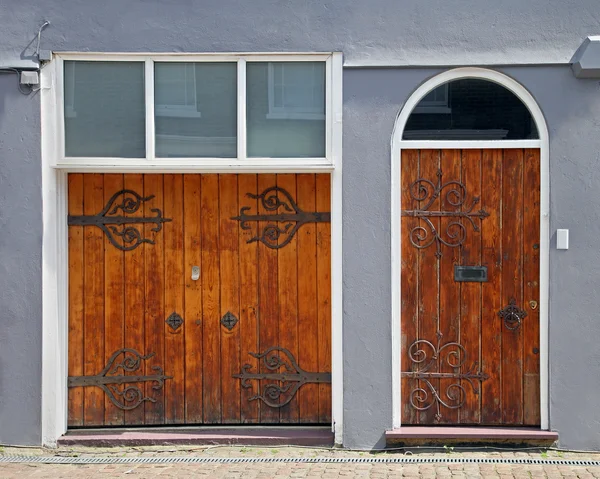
242,162
55,168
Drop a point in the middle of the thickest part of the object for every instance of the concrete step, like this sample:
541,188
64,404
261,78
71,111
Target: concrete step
249,436
465,436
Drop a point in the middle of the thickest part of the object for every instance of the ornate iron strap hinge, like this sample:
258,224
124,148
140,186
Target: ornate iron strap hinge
292,379
132,395
456,233
424,356
130,237
292,217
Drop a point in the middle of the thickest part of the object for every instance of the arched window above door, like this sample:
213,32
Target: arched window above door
470,109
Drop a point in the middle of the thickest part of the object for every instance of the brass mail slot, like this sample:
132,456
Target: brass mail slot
470,274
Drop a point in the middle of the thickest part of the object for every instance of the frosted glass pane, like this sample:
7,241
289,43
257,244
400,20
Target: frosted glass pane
195,109
104,109
286,109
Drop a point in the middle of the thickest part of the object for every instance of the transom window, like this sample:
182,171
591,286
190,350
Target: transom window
470,109
236,107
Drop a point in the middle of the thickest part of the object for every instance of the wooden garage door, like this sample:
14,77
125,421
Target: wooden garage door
199,299
470,286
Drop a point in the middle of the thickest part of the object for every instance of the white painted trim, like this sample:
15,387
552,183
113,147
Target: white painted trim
241,110
468,144
335,104
54,269
193,57
396,148
55,239
149,109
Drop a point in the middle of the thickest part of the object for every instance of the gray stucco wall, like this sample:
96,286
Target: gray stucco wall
372,99
407,32
20,265
378,32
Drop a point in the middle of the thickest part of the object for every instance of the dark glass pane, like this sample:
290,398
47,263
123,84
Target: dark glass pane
470,109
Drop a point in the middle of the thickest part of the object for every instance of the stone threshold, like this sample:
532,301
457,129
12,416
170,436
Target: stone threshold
242,436
465,436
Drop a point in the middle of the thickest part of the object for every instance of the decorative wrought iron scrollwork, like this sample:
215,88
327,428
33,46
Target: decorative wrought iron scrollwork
117,228
424,356
273,235
512,315
289,381
455,195
132,396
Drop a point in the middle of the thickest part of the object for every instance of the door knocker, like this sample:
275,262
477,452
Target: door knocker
512,315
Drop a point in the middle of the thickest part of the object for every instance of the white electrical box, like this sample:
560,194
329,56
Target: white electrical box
30,78
562,239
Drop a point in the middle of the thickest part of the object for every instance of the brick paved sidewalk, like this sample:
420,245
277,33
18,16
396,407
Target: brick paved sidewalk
285,470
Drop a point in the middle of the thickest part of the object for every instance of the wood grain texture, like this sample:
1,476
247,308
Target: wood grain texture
154,318
249,316
428,288
449,295
135,298
211,290
491,295
512,284
192,315
174,299
121,299
470,295
76,299
287,276
229,262
408,282
93,347
323,280
507,181
114,300
531,269
268,299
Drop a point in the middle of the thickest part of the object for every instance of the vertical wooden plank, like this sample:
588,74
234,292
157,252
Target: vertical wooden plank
94,359
531,271
230,296
154,317
470,305
192,317
323,203
449,322
268,297
491,294
76,299
174,298
114,301
249,332
512,277
287,275
211,317
428,302
409,282
134,297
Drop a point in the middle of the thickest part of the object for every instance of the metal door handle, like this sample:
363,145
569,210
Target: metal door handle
195,273
512,315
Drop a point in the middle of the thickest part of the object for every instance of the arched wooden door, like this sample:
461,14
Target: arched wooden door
470,235
199,299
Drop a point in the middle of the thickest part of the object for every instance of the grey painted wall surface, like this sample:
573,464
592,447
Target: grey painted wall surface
20,265
415,32
372,99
